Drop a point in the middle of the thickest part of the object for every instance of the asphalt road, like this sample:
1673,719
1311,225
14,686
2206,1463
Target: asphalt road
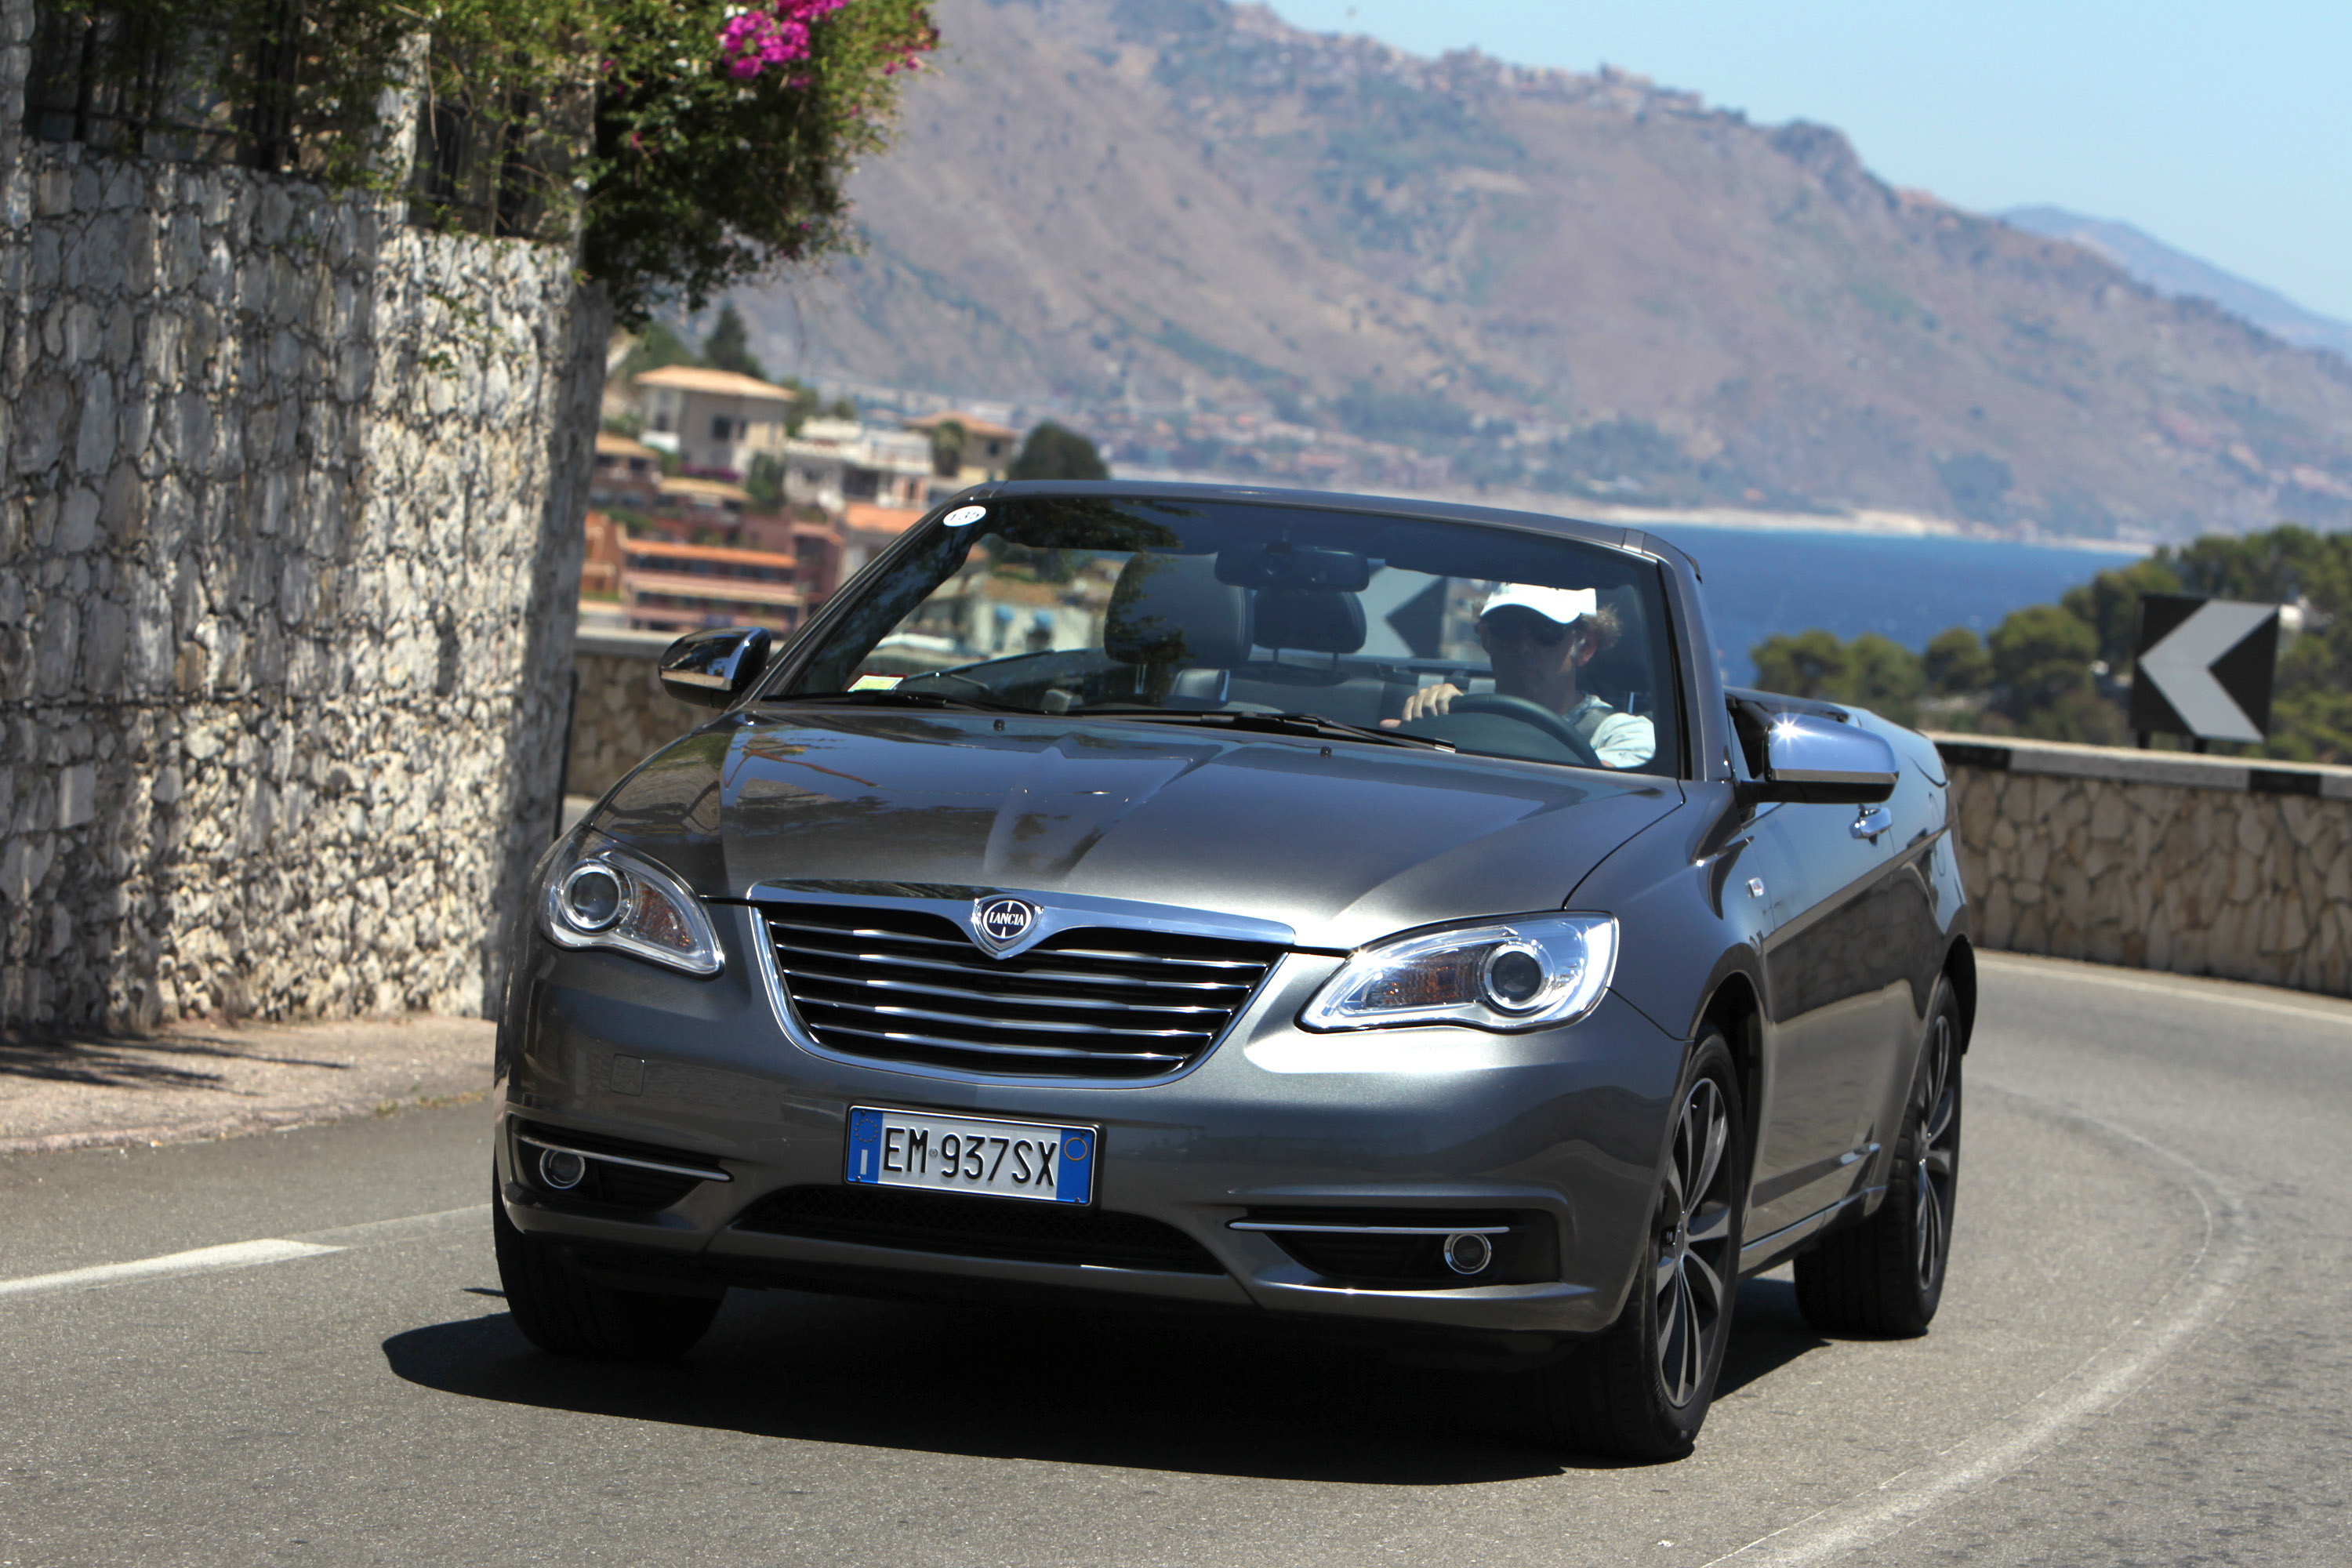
2141,1358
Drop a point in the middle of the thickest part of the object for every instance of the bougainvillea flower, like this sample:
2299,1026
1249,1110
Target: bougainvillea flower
771,35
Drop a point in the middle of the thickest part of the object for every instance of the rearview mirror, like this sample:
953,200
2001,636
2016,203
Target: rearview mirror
1823,761
1283,565
715,667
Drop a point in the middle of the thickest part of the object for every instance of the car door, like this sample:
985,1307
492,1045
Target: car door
1836,954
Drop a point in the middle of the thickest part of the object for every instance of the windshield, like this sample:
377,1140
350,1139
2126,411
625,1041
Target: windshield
1490,640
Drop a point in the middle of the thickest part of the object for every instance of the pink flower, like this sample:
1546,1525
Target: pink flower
774,35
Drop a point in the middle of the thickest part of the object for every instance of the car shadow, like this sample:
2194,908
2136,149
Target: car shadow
1768,1333
1139,1390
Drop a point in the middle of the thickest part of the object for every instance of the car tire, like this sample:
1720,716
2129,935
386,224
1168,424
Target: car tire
1641,1389
567,1314
1884,1277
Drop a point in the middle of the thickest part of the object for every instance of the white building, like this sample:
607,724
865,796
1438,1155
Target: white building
713,419
832,462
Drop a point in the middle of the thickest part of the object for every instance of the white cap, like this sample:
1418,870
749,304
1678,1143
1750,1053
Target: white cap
1563,606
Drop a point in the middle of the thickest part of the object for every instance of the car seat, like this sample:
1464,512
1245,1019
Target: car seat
1328,621
1180,628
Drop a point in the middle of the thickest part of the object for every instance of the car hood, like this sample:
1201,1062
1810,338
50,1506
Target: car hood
1343,844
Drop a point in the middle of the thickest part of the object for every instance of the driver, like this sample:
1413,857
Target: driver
1537,639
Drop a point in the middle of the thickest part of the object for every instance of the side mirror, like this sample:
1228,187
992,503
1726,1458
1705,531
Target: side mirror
1823,762
713,669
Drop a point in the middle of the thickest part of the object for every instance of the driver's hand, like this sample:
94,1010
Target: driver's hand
1429,700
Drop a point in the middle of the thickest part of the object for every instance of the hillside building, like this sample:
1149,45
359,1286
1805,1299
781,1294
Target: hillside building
833,462
988,447
715,420
672,587
628,473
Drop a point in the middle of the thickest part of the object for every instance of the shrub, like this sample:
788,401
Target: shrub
690,144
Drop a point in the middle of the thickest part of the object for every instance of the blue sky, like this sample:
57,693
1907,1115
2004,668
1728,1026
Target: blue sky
2223,129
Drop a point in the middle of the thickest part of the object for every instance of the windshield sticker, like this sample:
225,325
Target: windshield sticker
964,516
875,682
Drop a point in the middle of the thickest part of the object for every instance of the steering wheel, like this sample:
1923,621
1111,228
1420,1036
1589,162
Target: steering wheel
1534,714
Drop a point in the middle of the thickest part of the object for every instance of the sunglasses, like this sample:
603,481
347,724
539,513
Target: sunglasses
1523,625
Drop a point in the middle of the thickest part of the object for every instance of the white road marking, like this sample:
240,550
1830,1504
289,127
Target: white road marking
378,1231
204,1259
2213,994
2110,1375
243,1254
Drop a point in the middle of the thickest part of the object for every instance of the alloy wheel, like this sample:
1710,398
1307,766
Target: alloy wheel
1935,1172
1695,1264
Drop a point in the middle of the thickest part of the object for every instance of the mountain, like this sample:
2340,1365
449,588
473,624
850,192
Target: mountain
1167,217
2181,274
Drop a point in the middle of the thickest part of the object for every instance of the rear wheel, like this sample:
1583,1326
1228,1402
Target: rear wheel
1884,1277
560,1311
1641,1390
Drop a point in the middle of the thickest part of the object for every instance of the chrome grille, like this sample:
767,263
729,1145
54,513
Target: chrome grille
1093,1002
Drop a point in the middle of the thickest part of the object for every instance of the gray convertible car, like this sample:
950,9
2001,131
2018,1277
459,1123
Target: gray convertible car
1374,913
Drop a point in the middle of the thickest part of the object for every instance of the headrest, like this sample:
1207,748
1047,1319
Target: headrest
1312,620
1172,610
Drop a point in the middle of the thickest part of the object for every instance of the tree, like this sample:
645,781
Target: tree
729,345
1884,677
765,482
658,346
1956,663
2109,605
1872,671
2041,661
1809,663
949,438
723,134
1052,452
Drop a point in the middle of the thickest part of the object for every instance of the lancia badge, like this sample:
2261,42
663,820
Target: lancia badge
1000,923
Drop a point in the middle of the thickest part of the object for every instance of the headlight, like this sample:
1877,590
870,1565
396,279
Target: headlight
606,897
1536,973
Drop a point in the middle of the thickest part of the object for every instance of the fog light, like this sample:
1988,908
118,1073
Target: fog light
1468,1253
563,1170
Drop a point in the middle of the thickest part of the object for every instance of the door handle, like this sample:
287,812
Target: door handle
1873,822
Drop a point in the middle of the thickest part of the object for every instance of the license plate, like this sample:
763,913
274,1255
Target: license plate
1033,1160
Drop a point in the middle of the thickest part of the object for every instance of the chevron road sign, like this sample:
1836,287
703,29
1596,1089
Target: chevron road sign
2203,668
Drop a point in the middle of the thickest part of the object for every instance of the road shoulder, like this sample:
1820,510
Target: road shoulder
208,1080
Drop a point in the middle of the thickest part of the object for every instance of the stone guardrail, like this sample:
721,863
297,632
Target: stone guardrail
2157,859
621,715
2153,859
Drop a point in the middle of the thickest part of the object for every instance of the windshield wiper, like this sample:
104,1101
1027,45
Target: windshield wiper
1313,726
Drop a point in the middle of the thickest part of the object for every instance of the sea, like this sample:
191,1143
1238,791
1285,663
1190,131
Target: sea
1763,582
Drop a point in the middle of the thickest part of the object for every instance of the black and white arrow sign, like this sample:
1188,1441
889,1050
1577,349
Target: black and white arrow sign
2203,667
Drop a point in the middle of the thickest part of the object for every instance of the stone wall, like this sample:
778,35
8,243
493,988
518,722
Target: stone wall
622,715
290,503
2158,859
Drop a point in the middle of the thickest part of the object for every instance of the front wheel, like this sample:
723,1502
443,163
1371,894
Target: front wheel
564,1312
1884,1277
1641,1390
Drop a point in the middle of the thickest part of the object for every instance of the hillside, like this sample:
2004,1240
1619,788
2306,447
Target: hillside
2170,272
1580,285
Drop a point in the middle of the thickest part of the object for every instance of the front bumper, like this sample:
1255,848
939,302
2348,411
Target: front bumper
1565,1128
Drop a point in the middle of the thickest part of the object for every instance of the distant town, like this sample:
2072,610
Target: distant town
721,498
